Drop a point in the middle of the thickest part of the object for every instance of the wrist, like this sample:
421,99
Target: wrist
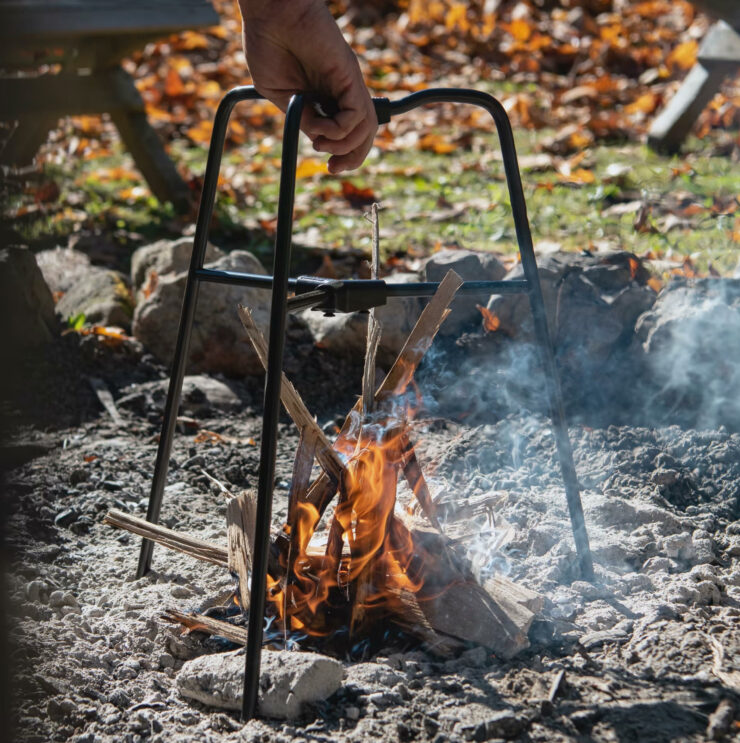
277,10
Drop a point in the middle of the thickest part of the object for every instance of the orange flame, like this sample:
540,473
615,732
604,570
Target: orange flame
491,321
634,266
370,556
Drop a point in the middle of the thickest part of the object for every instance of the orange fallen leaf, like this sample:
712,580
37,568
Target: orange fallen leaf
655,284
683,56
201,132
436,143
578,177
645,104
310,167
173,84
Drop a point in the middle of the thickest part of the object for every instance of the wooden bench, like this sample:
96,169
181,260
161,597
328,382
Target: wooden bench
718,57
86,40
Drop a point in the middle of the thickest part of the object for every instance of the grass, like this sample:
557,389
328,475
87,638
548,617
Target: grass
431,200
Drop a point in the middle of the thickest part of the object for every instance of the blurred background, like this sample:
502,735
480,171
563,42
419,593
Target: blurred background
582,80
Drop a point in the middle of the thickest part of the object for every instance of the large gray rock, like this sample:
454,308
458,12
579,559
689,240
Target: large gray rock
218,342
162,258
470,266
691,345
102,296
288,680
26,304
62,268
592,304
345,334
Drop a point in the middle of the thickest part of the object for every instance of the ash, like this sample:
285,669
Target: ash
650,651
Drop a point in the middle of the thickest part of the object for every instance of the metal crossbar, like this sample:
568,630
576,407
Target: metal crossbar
339,296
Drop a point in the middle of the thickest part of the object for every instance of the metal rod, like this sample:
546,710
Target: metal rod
539,314
255,280
189,301
411,289
271,413
304,301
427,288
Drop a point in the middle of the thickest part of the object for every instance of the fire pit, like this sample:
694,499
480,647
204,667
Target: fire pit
373,562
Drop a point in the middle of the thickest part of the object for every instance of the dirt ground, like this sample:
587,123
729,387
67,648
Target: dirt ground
649,652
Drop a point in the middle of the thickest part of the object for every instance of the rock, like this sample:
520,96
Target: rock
690,350
345,334
164,257
62,268
720,721
478,723
372,677
201,395
218,342
470,266
592,304
288,679
26,304
103,297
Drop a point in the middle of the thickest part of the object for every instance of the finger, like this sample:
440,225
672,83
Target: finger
344,146
352,160
336,128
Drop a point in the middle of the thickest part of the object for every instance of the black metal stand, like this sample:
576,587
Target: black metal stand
340,296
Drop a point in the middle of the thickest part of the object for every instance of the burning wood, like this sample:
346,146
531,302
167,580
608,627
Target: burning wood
378,564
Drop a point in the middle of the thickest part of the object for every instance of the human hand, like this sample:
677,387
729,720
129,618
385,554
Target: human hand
295,46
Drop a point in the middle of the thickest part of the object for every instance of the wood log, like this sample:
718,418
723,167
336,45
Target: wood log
241,514
203,623
466,611
192,546
455,604
292,401
499,586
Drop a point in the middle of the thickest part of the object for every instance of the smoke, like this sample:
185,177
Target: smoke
676,362
688,347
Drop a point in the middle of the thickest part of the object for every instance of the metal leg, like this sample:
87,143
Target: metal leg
189,301
271,413
529,264
552,378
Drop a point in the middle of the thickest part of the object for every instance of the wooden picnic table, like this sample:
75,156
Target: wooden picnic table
62,57
718,57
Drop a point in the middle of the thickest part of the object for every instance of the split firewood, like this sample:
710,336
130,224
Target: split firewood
187,545
498,587
374,327
292,401
415,477
417,344
412,618
241,515
198,548
203,623
455,604
302,466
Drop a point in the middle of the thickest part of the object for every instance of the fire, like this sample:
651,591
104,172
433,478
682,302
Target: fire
491,321
370,556
634,266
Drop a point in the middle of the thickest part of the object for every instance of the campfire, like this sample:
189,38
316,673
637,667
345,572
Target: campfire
380,561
